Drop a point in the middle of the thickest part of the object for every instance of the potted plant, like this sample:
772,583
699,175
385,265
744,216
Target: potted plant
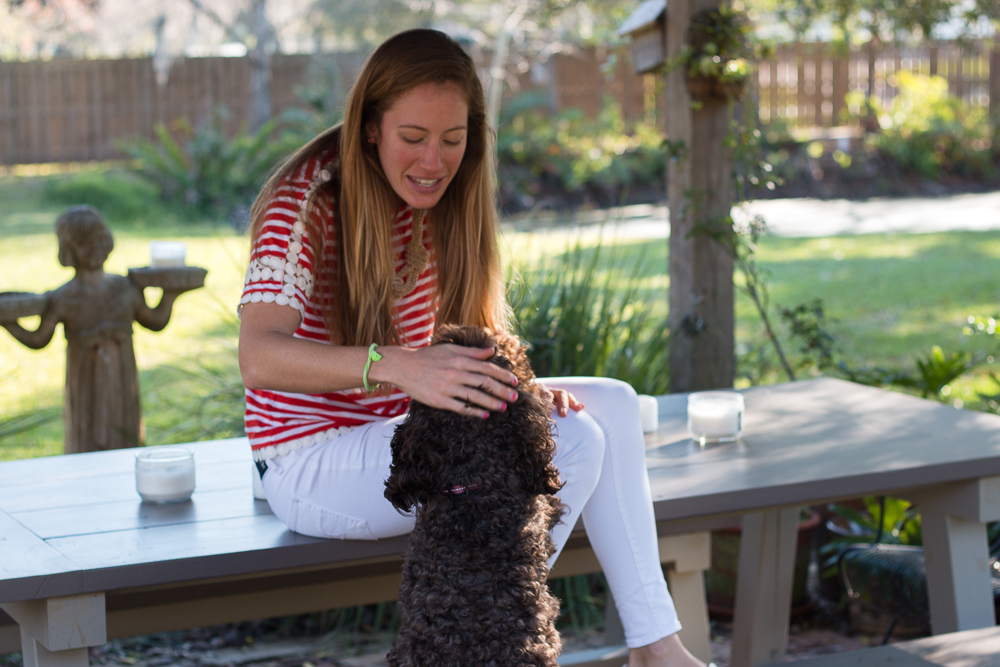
719,56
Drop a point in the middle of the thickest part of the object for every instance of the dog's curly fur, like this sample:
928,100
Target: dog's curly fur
474,590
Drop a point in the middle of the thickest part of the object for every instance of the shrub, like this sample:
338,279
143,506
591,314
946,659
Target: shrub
585,317
933,133
566,154
119,197
205,171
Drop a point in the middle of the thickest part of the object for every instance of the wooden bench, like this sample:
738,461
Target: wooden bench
81,559
971,648
94,563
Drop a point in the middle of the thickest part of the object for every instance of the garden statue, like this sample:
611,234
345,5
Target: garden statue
101,409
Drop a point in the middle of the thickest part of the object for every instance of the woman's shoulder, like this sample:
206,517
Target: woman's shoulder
311,172
300,187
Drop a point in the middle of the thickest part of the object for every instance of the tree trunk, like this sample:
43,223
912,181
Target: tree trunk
498,63
260,67
699,188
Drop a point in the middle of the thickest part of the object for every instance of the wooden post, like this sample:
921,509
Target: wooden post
698,189
804,87
995,80
841,85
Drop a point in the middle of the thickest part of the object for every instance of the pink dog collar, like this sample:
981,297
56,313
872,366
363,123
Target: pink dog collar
462,489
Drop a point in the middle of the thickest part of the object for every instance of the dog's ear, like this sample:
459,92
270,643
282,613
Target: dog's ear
516,354
415,475
538,447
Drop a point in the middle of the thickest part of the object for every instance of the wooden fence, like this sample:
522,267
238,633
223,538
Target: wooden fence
805,84
77,111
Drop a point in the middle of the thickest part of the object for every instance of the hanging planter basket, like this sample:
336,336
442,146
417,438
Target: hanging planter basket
703,88
718,53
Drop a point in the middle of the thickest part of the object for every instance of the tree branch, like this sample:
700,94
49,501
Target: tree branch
217,20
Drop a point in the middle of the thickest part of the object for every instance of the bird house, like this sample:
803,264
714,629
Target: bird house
646,28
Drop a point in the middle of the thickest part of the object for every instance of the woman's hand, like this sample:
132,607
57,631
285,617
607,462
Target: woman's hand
449,377
562,401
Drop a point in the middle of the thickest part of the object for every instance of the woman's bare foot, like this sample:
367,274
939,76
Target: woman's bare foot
668,652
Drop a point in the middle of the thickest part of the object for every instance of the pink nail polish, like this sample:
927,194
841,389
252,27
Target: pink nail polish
486,415
514,383
503,407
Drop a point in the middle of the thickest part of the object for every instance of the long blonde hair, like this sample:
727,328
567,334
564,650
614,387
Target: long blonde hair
464,221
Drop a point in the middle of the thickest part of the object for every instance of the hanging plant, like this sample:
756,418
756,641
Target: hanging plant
720,55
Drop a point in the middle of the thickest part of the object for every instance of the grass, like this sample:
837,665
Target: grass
888,299
180,369
593,310
890,295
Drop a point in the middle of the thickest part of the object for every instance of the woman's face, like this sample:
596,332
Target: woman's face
421,141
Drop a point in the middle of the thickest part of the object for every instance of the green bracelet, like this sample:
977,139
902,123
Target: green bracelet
372,356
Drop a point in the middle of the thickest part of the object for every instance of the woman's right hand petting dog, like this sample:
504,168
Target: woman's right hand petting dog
449,377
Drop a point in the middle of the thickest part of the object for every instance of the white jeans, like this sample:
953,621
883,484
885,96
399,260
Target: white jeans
335,490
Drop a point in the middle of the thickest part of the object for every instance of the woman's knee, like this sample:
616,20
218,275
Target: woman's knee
597,393
580,444
618,392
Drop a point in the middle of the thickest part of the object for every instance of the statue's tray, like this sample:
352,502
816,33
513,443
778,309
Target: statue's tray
21,304
172,277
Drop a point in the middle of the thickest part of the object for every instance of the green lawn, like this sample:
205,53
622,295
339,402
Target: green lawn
888,298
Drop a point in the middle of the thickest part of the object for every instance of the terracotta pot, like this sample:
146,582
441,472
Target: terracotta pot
706,88
720,581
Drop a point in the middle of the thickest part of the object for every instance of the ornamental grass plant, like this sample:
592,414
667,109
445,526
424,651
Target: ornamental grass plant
593,311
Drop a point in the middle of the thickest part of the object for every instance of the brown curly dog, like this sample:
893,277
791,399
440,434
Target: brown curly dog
474,590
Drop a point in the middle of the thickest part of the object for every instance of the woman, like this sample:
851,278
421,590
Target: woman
366,238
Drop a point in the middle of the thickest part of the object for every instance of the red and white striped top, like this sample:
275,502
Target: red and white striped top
282,271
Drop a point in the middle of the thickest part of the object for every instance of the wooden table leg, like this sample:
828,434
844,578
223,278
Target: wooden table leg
764,587
690,555
687,556
57,632
956,552
956,555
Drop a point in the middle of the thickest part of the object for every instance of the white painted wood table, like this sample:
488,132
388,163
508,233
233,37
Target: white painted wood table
821,440
81,559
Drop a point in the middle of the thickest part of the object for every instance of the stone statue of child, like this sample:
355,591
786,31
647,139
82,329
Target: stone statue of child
102,409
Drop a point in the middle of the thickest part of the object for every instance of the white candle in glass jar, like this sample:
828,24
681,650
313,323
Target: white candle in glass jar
164,474
715,416
163,254
257,482
649,413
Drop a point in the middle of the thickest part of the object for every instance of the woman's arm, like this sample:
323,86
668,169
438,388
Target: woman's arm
442,376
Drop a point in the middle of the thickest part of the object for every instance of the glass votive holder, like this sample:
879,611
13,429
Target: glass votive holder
649,413
715,416
164,474
165,254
